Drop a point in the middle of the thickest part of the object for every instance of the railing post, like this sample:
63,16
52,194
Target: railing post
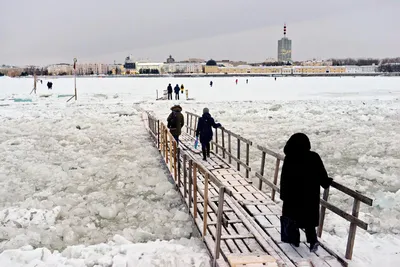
190,183
223,142
187,123
194,126
191,123
278,161
238,153
229,148
179,166
322,213
205,210
262,169
170,148
216,140
158,133
219,224
352,231
247,159
166,145
184,176
195,190
175,157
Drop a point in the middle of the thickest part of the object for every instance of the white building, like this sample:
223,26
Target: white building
91,68
149,66
183,67
353,69
369,69
58,69
286,70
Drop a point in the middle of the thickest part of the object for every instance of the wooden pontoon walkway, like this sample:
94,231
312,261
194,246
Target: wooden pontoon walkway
259,208
239,223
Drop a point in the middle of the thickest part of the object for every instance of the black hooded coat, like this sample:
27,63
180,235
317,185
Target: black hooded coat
204,128
302,175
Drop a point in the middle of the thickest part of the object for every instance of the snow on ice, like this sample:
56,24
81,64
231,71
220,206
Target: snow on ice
97,187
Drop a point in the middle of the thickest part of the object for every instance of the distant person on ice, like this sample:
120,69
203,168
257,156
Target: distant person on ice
182,88
302,175
205,132
211,83
247,80
169,89
177,89
49,85
237,81
175,122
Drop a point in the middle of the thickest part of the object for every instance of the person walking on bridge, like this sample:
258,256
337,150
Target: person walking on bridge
205,132
303,173
177,90
169,89
175,122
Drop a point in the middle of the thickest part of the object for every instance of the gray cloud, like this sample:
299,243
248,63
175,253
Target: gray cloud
46,31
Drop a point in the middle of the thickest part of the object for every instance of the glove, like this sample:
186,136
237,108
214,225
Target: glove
196,143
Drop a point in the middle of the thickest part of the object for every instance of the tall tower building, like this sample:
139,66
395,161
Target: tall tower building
284,48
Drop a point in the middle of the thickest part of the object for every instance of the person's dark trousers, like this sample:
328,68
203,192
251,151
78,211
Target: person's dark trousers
169,96
176,137
311,235
205,148
176,96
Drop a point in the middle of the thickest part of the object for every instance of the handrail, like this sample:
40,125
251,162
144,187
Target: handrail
358,197
334,184
172,154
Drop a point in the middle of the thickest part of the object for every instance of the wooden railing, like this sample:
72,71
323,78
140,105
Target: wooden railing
226,151
181,164
222,143
357,199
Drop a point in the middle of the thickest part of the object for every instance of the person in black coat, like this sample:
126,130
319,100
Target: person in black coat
177,89
169,89
303,173
49,85
205,132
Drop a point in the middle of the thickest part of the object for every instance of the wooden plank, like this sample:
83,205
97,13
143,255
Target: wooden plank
305,253
261,170
205,206
195,190
322,213
238,154
231,236
265,180
247,159
352,230
229,148
270,152
229,243
276,173
352,193
235,261
345,215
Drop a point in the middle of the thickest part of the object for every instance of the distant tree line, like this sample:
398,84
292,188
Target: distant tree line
274,64
356,62
389,67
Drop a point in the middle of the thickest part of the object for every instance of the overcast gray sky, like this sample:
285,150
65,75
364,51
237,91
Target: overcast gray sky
52,31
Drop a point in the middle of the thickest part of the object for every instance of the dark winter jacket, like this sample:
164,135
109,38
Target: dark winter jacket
302,175
177,89
204,128
169,88
175,121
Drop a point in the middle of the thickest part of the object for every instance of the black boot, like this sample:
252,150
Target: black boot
204,154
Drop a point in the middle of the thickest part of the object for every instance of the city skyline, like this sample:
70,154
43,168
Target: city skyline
45,32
